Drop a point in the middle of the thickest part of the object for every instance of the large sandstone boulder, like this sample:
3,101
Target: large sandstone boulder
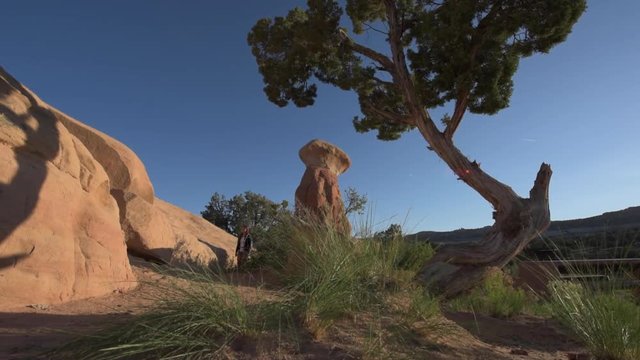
319,192
70,197
146,231
148,225
60,234
197,240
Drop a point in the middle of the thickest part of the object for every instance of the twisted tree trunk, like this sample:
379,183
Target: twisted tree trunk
456,268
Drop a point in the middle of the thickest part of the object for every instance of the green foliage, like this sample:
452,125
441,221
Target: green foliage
494,297
354,202
248,209
337,275
408,255
423,306
466,51
609,324
392,232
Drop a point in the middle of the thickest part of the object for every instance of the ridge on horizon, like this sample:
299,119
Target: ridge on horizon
628,218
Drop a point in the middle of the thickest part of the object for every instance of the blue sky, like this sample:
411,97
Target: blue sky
176,82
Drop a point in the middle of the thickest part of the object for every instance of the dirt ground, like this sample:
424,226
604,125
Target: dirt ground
27,333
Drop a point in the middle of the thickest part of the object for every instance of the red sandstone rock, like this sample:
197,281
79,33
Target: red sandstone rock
319,192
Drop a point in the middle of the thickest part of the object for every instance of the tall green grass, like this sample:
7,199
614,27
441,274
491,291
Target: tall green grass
337,275
198,320
605,318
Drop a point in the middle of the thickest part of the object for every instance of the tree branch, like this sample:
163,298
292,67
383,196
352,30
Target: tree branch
463,96
374,29
381,59
383,82
461,107
388,115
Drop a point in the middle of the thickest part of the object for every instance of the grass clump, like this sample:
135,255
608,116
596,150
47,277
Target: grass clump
195,321
607,322
494,297
333,276
337,275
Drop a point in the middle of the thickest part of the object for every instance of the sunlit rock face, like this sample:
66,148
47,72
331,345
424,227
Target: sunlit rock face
74,201
151,227
60,234
319,191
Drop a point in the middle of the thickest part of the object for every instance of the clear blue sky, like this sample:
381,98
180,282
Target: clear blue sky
176,82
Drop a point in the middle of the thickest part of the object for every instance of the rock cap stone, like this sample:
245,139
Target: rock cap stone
319,153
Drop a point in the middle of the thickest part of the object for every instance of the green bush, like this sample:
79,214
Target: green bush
608,323
494,297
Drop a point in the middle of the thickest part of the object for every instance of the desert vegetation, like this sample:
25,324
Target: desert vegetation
359,293
322,281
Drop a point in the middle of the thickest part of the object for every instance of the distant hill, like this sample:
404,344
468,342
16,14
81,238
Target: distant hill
614,221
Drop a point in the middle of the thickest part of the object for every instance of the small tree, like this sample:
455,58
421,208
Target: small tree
392,232
250,209
354,203
459,53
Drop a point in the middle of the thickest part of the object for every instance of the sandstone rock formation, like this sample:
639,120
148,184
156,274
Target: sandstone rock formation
318,192
70,198
149,231
146,231
60,235
195,235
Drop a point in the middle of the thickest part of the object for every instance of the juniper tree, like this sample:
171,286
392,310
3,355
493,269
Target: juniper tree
246,209
457,53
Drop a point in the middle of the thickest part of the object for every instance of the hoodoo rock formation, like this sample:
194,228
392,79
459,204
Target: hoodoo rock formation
319,192
73,201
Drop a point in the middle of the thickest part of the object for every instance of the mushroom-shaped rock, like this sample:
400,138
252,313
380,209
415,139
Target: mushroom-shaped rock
319,193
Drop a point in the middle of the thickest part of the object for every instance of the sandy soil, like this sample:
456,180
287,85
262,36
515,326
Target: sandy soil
27,333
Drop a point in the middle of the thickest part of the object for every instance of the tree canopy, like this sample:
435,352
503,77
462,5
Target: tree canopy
247,209
462,51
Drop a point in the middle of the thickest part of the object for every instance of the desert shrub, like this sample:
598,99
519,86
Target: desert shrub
609,324
413,255
332,274
336,274
423,307
194,321
495,297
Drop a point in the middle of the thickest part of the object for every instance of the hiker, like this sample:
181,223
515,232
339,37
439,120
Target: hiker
243,248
